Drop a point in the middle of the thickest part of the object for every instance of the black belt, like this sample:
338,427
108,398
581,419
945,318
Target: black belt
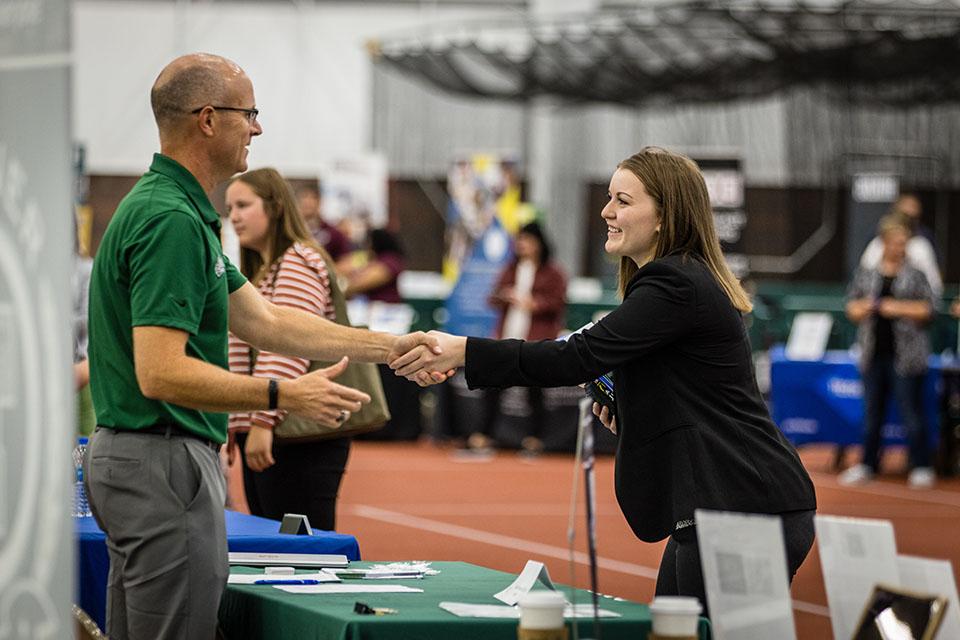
166,430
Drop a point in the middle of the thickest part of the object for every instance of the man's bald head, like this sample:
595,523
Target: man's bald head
192,81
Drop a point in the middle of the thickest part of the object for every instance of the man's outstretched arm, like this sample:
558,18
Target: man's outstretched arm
293,332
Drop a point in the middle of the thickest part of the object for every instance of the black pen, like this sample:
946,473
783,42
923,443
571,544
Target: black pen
287,582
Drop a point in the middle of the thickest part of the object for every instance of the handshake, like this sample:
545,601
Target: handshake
427,358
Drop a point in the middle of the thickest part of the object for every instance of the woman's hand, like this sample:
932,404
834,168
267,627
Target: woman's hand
259,449
231,447
425,366
606,419
860,309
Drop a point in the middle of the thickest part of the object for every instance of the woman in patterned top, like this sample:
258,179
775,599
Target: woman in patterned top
893,304
279,256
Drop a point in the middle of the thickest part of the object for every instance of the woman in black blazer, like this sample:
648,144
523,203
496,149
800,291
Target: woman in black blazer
694,432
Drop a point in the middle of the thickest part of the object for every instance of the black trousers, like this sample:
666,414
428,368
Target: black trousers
680,571
535,423
304,479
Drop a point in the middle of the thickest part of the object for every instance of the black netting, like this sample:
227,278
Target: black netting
893,52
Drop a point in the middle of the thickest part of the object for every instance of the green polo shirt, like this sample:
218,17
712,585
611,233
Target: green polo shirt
160,263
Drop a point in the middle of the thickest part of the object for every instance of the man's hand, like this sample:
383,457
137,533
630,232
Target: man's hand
409,342
425,366
955,308
607,420
259,449
317,397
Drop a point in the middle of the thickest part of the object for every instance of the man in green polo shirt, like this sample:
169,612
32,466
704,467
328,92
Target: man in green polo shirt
162,297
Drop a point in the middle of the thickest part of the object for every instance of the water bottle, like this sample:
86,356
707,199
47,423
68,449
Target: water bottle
81,507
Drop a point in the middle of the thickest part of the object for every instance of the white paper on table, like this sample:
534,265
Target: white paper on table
809,335
745,575
346,588
403,567
855,555
466,610
251,578
533,571
934,577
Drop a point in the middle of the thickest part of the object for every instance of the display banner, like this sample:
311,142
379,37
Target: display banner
724,178
355,188
36,241
483,214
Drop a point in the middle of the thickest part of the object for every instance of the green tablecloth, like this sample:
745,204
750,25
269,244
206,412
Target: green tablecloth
258,611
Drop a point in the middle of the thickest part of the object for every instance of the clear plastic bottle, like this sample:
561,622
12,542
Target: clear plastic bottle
81,507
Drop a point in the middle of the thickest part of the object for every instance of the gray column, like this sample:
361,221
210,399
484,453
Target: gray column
36,237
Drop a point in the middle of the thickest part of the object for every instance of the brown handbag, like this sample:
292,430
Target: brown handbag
363,376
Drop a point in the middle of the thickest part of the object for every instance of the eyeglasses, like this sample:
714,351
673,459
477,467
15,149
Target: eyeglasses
251,114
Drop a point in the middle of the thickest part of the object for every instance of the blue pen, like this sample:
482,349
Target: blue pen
287,582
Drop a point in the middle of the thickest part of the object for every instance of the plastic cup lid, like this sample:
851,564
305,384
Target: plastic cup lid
547,599
676,604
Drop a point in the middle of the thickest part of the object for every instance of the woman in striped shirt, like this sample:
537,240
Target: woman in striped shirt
280,258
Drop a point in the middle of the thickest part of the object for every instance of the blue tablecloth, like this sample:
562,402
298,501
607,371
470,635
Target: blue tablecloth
822,400
244,533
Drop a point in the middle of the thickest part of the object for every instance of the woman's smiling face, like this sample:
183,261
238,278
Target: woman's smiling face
633,222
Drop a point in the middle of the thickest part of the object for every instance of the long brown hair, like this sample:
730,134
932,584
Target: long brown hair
676,185
286,223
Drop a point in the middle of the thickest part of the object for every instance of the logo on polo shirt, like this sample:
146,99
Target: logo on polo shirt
219,268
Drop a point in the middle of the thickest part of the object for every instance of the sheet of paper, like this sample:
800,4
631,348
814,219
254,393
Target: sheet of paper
809,335
306,560
466,610
934,577
745,574
855,555
251,578
532,573
347,588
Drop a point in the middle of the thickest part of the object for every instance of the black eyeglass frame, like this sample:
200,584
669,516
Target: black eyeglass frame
251,114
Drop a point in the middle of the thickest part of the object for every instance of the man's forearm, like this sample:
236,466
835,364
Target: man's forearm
303,334
195,384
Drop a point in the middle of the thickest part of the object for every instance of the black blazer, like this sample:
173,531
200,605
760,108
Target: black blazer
694,430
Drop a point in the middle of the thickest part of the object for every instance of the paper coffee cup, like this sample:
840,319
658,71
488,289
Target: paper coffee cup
675,616
542,610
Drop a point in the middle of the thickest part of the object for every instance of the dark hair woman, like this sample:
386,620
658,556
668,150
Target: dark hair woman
694,432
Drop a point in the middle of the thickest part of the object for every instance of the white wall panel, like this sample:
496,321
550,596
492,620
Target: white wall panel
310,70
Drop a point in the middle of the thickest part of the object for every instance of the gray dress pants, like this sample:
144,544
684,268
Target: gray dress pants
160,501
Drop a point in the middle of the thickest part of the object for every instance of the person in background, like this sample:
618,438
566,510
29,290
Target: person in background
162,297
892,305
694,431
83,265
910,206
530,296
921,250
327,236
377,278
278,256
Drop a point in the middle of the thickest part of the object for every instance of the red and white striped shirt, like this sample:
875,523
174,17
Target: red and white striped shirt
299,279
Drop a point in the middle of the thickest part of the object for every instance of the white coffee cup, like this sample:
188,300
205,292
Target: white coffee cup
675,616
542,610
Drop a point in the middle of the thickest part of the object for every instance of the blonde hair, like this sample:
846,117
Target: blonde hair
677,187
893,221
286,223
